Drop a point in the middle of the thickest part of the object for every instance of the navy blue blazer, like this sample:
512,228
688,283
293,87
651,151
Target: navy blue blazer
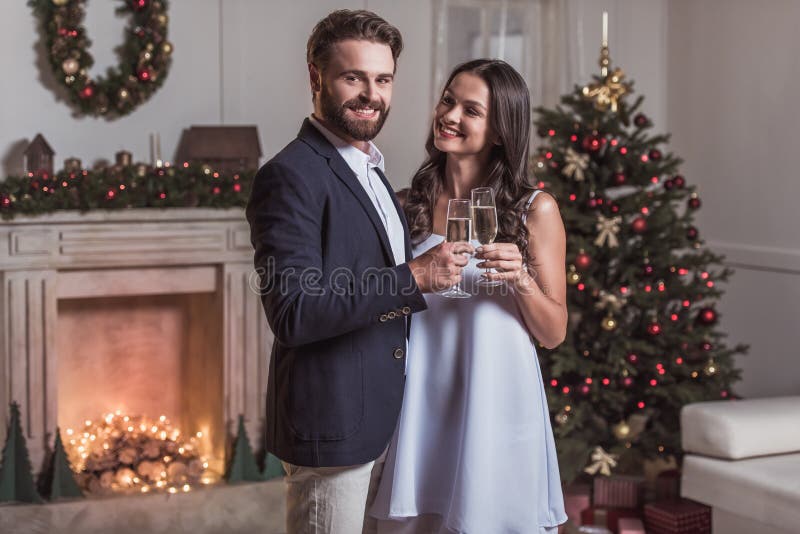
337,304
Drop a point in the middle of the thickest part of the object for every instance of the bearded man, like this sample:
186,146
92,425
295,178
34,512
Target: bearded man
338,282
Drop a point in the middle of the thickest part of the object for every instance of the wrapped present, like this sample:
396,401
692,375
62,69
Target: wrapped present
681,516
607,517
577,498
618,491
668,485
631,525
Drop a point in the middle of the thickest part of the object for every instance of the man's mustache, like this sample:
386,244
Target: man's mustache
360,104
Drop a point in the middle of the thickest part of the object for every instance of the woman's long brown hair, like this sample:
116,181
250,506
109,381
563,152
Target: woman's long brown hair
507,170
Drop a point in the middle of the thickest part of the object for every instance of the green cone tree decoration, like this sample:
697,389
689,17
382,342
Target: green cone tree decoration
272,467
61,482
243,467
16,476
643,338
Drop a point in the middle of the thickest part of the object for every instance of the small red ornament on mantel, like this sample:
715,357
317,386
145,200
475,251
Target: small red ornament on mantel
619,178
87,92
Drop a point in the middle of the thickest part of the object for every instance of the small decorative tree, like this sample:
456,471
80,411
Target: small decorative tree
16,476
243,466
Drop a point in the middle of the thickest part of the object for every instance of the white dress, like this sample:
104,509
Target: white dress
474,443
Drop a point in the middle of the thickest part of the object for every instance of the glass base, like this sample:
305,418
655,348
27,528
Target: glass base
455,293
483,282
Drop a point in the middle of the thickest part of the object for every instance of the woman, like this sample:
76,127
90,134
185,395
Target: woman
474,450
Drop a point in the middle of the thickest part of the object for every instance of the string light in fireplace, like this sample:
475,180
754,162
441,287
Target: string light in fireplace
123,453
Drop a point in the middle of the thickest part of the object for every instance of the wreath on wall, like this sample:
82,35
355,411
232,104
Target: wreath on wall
145,55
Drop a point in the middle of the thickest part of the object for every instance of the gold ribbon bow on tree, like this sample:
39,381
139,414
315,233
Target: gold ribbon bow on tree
608,230
603,462
576,163
610,302
607,94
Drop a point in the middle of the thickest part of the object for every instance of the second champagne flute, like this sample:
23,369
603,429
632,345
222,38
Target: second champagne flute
459,228
484,220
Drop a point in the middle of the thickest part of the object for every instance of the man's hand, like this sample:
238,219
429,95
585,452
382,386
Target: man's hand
441,266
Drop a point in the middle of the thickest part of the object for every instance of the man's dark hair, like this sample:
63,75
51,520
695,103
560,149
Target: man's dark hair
346,24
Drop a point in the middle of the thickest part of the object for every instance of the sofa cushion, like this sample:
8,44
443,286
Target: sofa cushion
763,489
742,428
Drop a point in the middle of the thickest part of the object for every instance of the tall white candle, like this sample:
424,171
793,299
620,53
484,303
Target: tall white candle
605,28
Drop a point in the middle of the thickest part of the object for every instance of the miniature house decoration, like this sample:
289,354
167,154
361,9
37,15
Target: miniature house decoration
224,148
39,156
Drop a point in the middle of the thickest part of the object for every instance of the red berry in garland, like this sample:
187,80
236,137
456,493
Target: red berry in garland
619,178
654,328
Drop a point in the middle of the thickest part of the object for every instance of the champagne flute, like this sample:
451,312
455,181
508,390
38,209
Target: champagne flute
484,221
459,228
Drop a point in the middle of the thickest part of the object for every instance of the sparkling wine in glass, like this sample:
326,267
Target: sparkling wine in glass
459,228
484,220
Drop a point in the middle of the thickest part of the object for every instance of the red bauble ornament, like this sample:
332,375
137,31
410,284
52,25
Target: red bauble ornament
139,5
614,207
669,184
706,346
641,120
237,187
585,389
144,74
633,358
707,316
619,178
694,203
5,201
215,190
627,381
655,154
648,269
639,225
593,143
679,180
583,261
87,92
654,329
691,233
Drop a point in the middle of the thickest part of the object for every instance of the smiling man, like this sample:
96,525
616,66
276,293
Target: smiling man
337,280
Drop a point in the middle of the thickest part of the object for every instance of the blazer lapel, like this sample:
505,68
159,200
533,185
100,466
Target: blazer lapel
313,137
400,213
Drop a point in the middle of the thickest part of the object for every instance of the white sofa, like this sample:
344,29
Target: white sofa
743,460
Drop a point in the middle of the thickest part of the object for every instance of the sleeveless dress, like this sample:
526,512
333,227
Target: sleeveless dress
474,443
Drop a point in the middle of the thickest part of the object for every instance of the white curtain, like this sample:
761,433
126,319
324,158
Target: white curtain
542,39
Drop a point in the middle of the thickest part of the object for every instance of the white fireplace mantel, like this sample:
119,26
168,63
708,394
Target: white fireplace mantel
135,252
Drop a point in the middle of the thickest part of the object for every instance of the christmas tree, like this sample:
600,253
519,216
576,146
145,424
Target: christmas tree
16,477
243,467
59,482
272,467
642,339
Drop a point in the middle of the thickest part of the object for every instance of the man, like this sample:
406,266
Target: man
339,284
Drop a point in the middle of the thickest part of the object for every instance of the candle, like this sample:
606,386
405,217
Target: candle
159,161
152,151
123,158
605,28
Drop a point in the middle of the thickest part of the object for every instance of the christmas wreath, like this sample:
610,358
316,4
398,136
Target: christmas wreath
144,56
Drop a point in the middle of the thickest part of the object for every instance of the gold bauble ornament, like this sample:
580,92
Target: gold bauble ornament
621,430
608,323
166,48
70,66
562,418
573,277
711,368
162,19
123,94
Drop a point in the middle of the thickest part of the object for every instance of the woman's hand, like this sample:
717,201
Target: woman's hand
505,258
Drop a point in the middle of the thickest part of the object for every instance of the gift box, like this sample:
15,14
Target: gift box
668,485
681,516
607,517
618,491
631,525
577,498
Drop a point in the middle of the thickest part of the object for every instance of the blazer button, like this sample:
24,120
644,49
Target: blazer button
398,353
383,318
406,310
391,315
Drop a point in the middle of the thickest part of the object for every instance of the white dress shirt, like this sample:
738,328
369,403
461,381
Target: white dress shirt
364,165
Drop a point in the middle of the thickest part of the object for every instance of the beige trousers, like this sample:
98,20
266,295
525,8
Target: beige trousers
331,500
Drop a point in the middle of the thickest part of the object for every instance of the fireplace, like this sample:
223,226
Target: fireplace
145,311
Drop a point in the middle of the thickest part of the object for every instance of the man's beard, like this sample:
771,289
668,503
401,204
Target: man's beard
360,130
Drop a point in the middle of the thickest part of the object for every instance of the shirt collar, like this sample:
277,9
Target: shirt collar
354,157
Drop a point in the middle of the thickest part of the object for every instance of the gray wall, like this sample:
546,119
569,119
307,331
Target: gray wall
732,75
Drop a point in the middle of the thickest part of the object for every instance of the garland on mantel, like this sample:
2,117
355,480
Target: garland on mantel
122,187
